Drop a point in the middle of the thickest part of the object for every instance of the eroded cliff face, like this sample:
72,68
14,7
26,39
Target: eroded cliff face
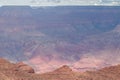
56,36
12,71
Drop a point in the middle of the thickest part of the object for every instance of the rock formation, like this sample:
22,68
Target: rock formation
23,67
21,71
64,68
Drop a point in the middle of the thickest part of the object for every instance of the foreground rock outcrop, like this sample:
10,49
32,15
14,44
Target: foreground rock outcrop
64,68
23,67
21,71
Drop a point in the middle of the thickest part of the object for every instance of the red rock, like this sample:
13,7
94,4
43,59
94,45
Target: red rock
64,68
62,73
3,61
24,67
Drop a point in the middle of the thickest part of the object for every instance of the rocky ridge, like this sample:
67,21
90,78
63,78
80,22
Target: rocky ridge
21,71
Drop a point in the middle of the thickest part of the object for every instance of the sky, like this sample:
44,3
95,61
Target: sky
59,2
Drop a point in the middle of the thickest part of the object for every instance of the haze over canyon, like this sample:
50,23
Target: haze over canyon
82,37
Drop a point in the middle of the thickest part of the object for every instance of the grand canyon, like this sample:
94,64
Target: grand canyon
21,71
59,43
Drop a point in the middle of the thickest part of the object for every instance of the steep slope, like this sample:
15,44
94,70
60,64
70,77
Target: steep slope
56,36
108,73
64,68
9,71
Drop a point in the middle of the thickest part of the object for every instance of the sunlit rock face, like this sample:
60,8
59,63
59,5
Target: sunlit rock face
13,71
49,37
